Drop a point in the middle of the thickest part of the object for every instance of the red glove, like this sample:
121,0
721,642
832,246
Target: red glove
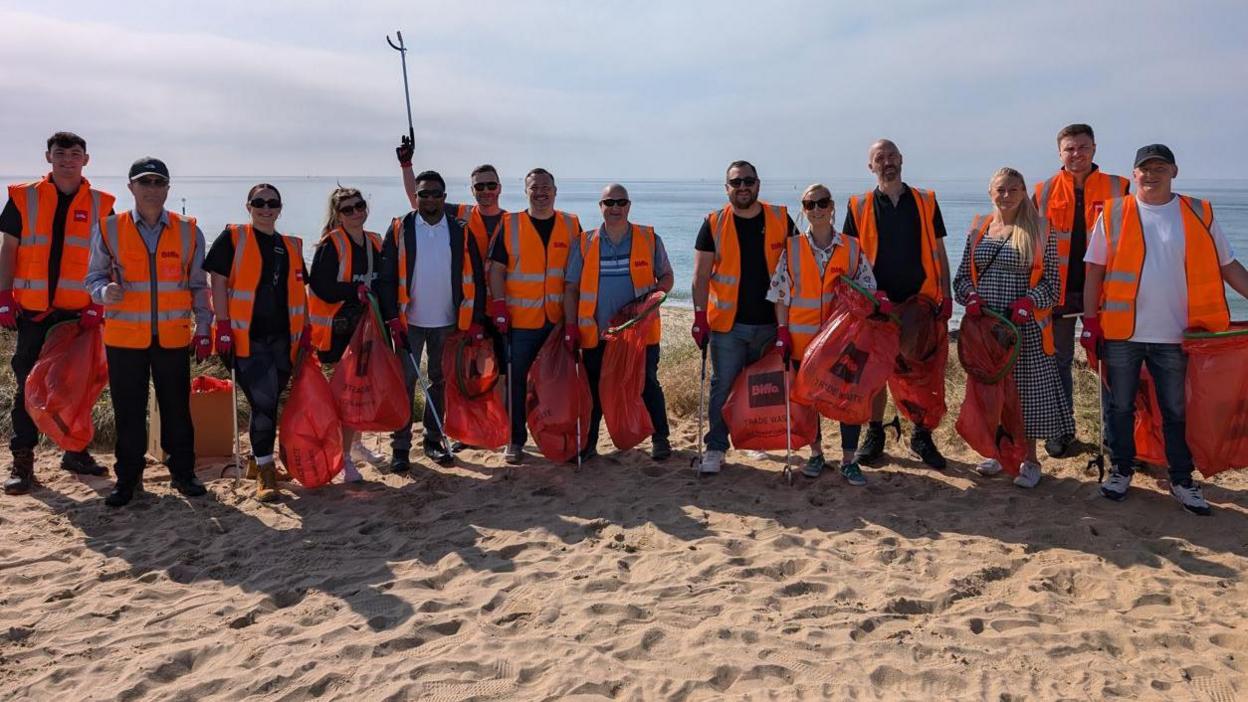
1022,310
91,316
8,310
701,330
398,333
361,292
1091,340
946,310
883,304
784,341
202,343
224,340
476,332
974,306
500,316
404,152
571,340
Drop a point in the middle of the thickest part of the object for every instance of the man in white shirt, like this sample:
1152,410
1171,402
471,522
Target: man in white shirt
420,289
1155,267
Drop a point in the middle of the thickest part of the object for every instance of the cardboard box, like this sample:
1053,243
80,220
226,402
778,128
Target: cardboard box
211,415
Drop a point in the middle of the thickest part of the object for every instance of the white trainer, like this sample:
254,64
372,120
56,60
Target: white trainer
989,467
351,474
1191,498
712,461
1028,475
360,452
1115,488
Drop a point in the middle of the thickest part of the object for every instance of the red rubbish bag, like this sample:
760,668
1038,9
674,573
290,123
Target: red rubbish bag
918,379
476,413
368,383
1150,443
849,360
991,418
558,395
310,430
620,385
1217,399
755,408
65,382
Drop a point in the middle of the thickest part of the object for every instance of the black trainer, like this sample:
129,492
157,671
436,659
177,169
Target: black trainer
120,496
872,449
399,463
22,474
1057,447
438,454
189,486
82,463
923,446
660,449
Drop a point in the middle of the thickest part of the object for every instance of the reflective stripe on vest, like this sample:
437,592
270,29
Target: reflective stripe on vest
1055,199
863,208
244,279
643,253
726,268
811,291
533,285
321,312
1043,317
36,203
166,300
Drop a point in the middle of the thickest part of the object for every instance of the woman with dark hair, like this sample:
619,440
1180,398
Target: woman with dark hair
261,307
344,269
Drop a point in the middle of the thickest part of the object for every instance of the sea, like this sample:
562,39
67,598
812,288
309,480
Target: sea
674,207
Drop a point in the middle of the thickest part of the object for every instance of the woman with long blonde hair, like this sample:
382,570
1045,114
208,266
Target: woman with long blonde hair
1010,266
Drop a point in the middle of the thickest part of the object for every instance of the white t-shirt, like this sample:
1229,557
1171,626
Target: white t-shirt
431,303
1161,302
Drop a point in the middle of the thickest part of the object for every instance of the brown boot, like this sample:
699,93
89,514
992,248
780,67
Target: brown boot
22,474
266,483
251,473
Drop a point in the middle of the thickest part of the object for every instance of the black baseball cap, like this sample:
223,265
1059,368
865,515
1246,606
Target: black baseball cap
1154,151
149,166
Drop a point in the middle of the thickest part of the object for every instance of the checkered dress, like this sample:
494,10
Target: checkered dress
1002,282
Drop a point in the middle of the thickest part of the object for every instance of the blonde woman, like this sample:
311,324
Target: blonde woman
814,260
1010,266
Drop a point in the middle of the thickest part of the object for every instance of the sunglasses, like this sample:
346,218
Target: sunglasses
151,182
482,187
270,204
617,202
360,207
747,182
822,203
434,194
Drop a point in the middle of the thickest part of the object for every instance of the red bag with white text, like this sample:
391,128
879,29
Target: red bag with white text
755,408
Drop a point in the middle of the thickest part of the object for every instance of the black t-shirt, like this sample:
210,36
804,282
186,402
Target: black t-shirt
270,312
324,278
1078,246
898,265
11,224
544,227
753,307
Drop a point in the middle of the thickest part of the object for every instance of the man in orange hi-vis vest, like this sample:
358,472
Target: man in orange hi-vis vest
46,237
1157,262
146,270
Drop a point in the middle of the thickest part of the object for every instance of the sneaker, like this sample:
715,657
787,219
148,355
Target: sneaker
660,449
1028,475
755,455
82,463
712,461
514,454
1059,446
814,466
853,474
400,463
22,474
922,445
360,452
437,453
872,449
457,446
1115,488
351,474
190,486
1188,494
989,467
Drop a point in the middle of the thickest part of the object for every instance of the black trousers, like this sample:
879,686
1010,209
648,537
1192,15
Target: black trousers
430,341
169,370
262,376
30,338
651,393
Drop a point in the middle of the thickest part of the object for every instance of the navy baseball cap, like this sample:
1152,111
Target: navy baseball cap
149,166
1154,151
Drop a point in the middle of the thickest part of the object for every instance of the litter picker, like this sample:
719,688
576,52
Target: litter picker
788,426
1098,460
407,97
697,460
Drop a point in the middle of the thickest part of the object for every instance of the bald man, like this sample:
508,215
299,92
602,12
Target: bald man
902,233
616,264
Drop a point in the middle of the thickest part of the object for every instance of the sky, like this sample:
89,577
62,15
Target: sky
622,90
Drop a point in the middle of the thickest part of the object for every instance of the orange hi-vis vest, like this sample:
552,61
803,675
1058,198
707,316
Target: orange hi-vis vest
811,291
1044,317
320,312
641,258
534,284
475,232
863,207
725,282
156,286
1055,200
1124,237
245,278
36,203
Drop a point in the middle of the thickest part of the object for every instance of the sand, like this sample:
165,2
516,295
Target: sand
628,580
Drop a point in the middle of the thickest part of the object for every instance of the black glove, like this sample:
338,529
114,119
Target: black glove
404,151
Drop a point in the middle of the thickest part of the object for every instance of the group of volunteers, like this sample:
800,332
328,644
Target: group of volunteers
1139,267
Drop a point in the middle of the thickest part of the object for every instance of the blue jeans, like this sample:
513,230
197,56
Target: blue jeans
523,345
731,352
1168,365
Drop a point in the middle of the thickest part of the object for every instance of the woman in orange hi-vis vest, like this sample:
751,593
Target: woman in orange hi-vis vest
344,269
1010,265
801,286
261,307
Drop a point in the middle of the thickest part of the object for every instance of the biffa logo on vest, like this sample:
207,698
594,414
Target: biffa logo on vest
559,245
766,389
80,215
640,264
170,254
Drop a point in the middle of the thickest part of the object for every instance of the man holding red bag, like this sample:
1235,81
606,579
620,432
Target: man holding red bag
45,229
